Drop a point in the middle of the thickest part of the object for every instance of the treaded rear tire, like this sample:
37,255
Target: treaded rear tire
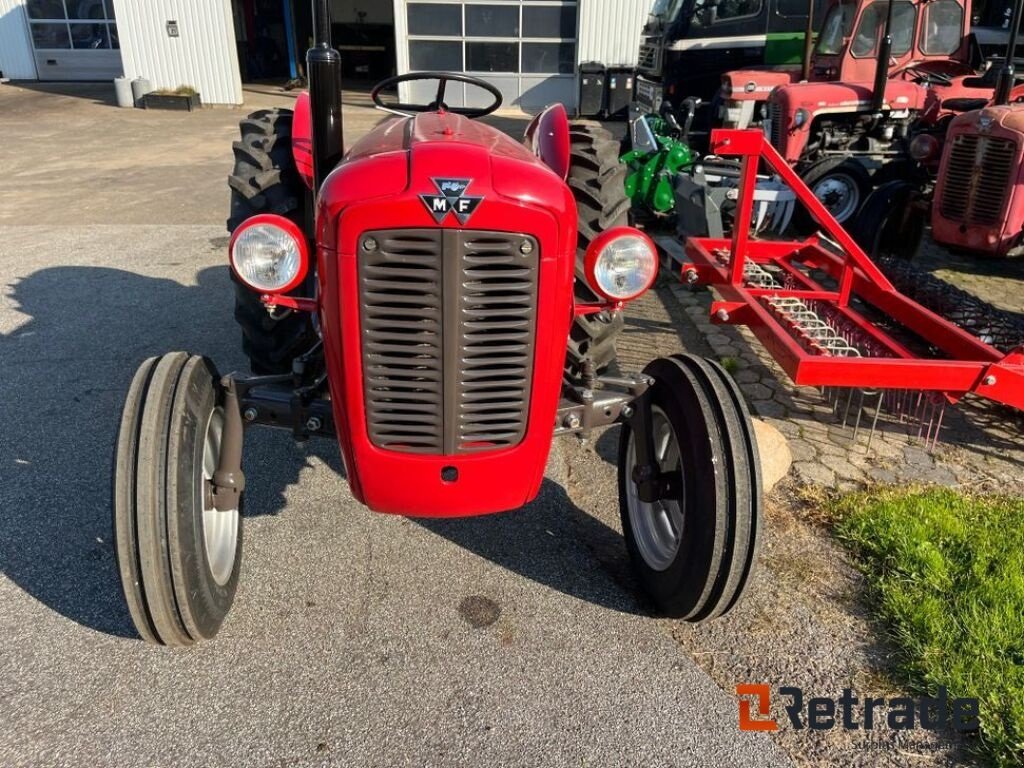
265,180
597,180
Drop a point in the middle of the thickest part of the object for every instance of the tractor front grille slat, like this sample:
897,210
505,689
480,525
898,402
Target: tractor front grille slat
977,179
776,126
448,325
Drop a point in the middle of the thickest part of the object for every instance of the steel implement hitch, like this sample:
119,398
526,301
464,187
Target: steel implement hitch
827,313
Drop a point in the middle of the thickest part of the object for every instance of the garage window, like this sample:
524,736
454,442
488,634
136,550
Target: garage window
78,24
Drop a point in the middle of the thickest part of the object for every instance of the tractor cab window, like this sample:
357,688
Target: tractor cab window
837,27
941,27
708,12
872,27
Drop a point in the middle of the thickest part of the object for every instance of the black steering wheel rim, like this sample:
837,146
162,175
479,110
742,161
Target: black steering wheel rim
437,104
934,78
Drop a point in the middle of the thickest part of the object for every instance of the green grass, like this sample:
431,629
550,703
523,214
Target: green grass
946,574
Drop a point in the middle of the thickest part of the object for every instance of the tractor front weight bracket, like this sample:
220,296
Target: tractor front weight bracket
228,480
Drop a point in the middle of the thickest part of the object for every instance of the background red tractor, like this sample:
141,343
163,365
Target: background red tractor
901,68
441,299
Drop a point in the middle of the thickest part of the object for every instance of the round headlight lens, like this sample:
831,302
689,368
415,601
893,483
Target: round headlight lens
624,267
924,147
268,258
801,117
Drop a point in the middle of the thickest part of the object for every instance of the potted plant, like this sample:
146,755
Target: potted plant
184,97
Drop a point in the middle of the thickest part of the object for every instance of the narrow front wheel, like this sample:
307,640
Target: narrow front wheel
178,555
693,548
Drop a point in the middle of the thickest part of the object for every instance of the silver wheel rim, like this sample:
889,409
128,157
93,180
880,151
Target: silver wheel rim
840,194
658,526
220,529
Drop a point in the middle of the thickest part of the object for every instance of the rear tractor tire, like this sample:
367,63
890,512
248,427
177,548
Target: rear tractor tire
597,180
891,222
694,552
178,556
265,180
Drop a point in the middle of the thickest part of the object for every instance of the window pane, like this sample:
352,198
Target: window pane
435,19
554,58
45,9
492,21
84,9
112,31
735,9
492,57
792,9
436,55
109,5
539,21
89,36
872,23
838,25
941,27
50,36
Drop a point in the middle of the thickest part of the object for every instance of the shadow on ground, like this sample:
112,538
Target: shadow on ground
66,369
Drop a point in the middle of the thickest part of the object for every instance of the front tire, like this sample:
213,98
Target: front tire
694,554
840,184
889,224
178,557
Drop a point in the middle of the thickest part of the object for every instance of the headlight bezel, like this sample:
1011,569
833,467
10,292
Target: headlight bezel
286,228
603,247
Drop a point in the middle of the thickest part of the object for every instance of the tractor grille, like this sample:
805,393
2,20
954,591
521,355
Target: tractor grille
977,179
448,324
776,126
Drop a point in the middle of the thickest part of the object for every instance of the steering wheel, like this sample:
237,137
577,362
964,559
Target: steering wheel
931,78
437,105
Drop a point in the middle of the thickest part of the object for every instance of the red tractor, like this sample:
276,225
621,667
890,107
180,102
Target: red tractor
442,300
971,192
883,73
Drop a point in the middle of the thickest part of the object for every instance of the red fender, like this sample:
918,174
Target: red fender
547,136
302,139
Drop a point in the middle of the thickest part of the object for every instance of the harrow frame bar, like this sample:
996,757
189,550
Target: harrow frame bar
967,365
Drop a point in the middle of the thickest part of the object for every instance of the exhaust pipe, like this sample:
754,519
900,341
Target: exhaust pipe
882,70
323,67
805,73
1004,81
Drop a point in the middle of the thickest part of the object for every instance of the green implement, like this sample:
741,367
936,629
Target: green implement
651,180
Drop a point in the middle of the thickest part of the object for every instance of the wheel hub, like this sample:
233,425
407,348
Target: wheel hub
220,529
839,194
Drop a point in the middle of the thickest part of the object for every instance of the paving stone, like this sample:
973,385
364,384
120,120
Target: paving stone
770,408
881,475
814,473
802,450
746,376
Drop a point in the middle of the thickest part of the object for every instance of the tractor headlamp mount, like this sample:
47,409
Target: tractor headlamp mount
621,264
269,254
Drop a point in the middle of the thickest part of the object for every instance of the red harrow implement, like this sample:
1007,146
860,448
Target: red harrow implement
831,318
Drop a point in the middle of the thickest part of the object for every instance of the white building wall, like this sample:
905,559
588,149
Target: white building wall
17,61
609,31
203,56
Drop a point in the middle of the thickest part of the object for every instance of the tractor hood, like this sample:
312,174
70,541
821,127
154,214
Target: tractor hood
405,155
757,82
831,98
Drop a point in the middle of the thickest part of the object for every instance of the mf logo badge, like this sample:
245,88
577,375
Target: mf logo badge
451,199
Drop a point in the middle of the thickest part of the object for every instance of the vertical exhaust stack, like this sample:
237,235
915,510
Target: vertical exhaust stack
805,73
1004,83
323,64
882,70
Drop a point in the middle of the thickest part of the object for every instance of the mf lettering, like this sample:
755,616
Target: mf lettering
851,713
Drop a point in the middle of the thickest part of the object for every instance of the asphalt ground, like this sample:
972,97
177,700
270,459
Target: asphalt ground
356,639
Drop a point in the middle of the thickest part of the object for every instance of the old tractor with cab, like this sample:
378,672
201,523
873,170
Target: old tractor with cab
441,300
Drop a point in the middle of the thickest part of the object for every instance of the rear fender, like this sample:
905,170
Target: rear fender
547,137
302,139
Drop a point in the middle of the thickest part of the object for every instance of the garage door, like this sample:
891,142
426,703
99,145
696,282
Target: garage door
74,39
527,49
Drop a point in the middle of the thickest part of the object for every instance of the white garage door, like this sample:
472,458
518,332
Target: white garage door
527,48
74,39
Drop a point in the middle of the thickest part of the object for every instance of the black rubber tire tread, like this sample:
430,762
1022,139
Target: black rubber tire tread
202,603
125,523
1001,329
744,472
597,180
151,501
803,222
685,589
265,180
886,226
